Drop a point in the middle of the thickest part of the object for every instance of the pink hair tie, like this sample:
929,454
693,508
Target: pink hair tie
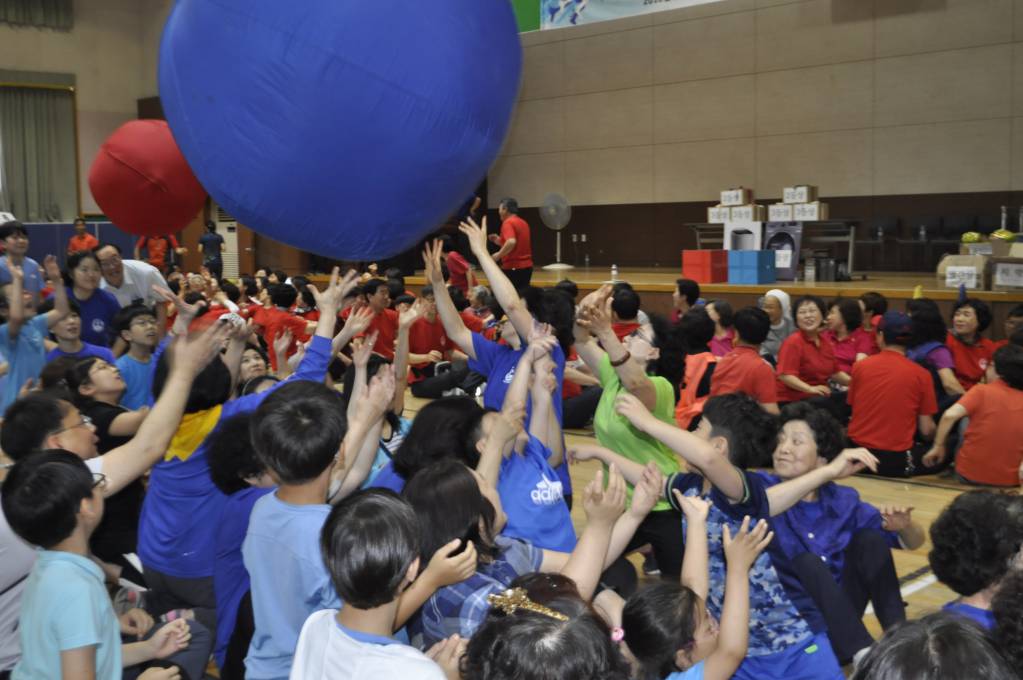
617,634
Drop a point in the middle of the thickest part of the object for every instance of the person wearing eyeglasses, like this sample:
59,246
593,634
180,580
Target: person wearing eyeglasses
131,281
41,421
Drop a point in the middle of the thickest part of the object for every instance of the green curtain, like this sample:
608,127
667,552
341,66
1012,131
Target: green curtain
37,129
58,14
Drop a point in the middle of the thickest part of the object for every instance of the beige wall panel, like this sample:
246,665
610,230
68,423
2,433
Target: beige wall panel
838,162
774,3
835,97
942,157
705,10
1016,180
609,62
527,178
698,171
704,48
909,27
1017,23
1017,79
942,86
538,127
807,33
605,119
607,176
704,109
543,71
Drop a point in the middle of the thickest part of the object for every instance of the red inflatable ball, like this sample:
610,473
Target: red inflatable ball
142,182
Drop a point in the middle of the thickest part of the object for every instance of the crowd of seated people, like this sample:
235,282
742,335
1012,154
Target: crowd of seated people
205,473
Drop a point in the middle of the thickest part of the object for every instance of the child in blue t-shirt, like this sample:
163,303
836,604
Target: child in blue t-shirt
68,626
22,338
68,334
301,437
669,631
137,326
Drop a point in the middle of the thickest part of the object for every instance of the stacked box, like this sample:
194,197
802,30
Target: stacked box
740,196
719,214
748,213
1007,274
804,193
781,212
751,267
705,266
973,271
810,212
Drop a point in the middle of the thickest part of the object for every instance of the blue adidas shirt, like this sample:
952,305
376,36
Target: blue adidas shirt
497,362
533,500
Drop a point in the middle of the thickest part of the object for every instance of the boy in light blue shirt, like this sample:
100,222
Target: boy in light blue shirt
68,626
22,337
137,326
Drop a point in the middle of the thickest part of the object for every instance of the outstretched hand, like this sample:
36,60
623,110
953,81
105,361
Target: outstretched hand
852,461
338,288
477,235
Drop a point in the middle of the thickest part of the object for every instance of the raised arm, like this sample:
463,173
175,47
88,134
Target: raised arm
597,319
358,321
631,470
15,300
783,496
452,321
363,436
646,493
740,552
696,561
500,284
697,452
61,308
603,508
188,356
401,355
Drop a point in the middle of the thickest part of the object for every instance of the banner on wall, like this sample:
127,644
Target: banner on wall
562,13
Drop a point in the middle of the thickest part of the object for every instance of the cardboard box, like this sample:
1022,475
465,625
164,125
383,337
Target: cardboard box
749,213
738,196
705,266
972,270
1007,274
781,212
803,193
810,212
751,267
994,248
719,214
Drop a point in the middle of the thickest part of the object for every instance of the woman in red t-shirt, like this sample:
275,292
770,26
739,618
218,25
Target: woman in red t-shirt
972,352
806,360
852,343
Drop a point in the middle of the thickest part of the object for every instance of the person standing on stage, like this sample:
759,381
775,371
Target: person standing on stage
516,253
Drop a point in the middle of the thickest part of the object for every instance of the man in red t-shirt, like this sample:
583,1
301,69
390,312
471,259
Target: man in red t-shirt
82,240
385,320
157,248
892,400
429,349
277,319
516,252
743,369
459,270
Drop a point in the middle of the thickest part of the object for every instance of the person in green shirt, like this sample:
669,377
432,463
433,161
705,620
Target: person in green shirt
648,364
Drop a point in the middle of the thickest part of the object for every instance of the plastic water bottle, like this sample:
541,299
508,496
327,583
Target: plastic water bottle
1005,218
810,271
614,272
586,260
923,232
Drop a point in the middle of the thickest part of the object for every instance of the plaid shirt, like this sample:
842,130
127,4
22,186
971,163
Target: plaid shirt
462,607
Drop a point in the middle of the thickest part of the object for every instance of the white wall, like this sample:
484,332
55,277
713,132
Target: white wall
112,52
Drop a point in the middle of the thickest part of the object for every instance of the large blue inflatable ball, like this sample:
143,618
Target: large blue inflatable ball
348,128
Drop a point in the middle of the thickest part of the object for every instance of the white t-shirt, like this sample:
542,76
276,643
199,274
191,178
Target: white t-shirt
16,561
326,651
139,279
